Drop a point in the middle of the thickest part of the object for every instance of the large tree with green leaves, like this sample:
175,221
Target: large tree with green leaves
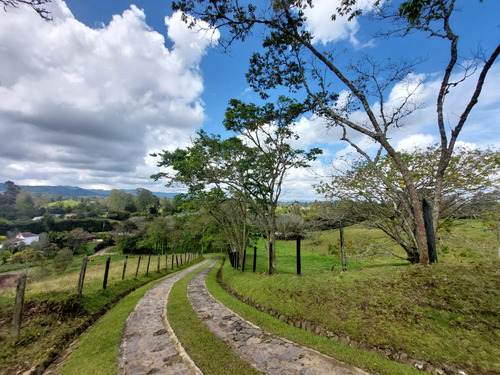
247,170
292,59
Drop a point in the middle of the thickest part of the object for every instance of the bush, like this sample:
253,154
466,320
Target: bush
27,256
4,255
62,260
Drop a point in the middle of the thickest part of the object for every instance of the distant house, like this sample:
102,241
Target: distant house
25,237
28,237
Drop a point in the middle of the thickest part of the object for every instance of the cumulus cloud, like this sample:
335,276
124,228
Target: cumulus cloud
89,105
319,21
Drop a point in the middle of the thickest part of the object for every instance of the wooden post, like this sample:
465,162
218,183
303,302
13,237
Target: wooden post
177,261
82,275
342,248
244,259
18,308
147,268
106,273
270,260
429,231
158,268
124,266
254,258
299,265
166,262
138,263
172,261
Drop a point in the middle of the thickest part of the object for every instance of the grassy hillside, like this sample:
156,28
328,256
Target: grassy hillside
446,315
54,314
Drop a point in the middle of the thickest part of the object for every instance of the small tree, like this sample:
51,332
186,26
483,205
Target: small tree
76,239
62,260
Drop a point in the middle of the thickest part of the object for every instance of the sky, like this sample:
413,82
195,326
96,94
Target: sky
86,98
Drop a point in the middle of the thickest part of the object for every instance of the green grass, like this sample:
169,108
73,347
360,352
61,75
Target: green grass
435,313
359,358
55,315
209,353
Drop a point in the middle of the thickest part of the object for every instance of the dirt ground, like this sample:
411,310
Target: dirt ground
8,280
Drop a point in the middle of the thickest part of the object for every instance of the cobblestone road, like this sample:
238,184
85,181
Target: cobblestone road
149,346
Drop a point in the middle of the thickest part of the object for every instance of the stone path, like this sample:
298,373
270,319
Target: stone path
267,353
149,345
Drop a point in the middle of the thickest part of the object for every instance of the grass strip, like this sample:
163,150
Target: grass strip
366,360
102,342
209,353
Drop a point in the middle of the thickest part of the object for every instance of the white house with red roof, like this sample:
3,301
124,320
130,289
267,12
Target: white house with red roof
26,237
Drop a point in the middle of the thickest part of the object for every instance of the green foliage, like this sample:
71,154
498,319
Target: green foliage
62,260
27,256
4,256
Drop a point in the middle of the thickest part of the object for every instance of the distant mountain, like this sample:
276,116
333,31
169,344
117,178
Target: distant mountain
75,191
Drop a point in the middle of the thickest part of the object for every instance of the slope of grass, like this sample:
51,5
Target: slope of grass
55,315
435,313
367,360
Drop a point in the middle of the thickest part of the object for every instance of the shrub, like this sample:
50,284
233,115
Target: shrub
62,260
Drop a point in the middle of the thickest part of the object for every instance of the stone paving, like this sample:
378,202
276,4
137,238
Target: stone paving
269,354
149,345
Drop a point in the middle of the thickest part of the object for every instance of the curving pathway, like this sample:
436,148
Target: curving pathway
267,353
149,346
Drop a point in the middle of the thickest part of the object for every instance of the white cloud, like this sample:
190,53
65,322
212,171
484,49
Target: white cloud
89,105
325,30
416,142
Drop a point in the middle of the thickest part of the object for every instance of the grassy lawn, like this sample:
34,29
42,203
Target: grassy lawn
209,353
436,313
54,314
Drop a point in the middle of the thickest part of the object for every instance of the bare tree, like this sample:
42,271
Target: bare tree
36,5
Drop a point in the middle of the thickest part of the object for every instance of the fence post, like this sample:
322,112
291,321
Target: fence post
106,273
299,265
147,269
124,266
172,260
138,263
254,258
82,275
158,268
177,261
342,248
166,262
18,308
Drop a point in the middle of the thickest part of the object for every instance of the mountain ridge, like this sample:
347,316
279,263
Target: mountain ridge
76,191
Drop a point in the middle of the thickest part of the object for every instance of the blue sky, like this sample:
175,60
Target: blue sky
85,98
